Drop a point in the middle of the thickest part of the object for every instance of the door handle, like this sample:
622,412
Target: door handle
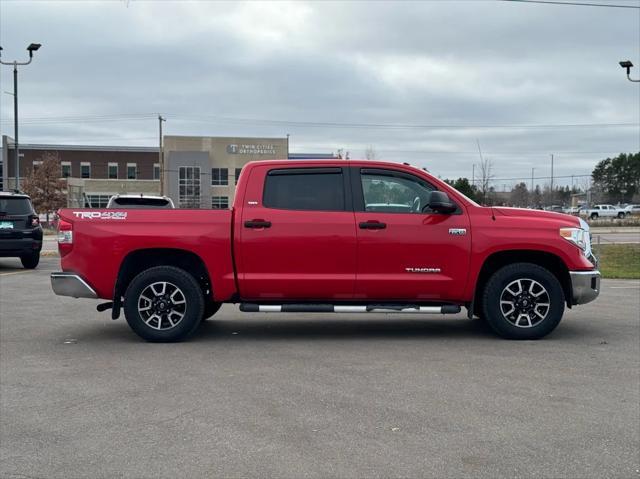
372,225
257,224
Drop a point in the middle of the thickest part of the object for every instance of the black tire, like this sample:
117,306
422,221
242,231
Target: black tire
594,216
210,309
30,261
180,301
526,321
621,215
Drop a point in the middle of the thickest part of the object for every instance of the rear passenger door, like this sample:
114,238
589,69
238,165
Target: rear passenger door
296,237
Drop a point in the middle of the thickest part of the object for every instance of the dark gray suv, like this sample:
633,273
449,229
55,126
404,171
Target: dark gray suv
20,230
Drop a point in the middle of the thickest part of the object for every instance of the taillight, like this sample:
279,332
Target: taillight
65,237
35,221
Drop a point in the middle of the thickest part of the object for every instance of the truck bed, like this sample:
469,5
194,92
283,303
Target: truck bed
103,238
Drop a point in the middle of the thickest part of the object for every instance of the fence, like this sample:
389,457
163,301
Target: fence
617,260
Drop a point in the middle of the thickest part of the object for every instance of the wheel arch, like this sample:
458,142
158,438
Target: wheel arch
544,259
139,260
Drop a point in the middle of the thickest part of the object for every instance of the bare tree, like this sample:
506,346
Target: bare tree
341,154
370,153
44,185
486,176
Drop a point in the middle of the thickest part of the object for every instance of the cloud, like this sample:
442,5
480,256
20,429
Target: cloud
423,63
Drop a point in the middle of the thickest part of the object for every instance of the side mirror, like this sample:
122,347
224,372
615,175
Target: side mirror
440,203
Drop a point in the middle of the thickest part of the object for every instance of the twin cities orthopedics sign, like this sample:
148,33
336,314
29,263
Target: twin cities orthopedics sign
251,149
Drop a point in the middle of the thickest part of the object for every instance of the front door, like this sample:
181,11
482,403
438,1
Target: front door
296,237
405,251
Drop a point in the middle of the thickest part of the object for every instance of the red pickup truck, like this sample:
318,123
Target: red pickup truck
337,236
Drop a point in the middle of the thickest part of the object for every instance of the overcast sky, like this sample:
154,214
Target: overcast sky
420,82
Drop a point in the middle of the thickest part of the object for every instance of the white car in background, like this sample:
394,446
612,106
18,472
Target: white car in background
603,211
632,210
572,210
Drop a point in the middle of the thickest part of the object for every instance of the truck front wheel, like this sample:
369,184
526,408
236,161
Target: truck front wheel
523,301
163,304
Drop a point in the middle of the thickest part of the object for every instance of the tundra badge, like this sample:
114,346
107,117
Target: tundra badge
423,270
458,231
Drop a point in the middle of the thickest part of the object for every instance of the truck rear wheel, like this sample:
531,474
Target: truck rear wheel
523,301
163,304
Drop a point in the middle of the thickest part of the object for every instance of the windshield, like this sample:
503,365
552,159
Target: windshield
15,206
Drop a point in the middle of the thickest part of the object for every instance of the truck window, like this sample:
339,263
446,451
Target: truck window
312,189
394,194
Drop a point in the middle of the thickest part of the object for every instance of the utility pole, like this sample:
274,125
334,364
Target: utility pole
552,176
532,170
31,48
473,175
161,154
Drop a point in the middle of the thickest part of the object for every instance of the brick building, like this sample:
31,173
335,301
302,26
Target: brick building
199,171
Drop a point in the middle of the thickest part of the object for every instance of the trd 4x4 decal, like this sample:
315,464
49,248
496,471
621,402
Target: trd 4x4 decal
101,215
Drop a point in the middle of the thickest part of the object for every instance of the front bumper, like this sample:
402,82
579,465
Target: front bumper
70,284
585,286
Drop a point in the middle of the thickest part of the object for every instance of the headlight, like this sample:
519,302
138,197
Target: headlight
579,236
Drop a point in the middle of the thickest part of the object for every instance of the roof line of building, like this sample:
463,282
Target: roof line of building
34,146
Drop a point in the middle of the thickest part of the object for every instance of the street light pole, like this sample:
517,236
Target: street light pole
161,154
31,48
627,65
16,143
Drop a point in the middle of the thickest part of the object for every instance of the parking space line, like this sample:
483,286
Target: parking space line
16,272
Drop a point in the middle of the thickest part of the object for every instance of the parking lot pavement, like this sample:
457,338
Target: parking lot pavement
314,395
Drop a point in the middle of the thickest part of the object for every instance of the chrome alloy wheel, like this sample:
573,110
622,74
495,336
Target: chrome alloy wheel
525,303
162,305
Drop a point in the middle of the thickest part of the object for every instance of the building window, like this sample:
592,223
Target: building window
97,201
238,170
85,170
189,186
156,171
36,165
66,169
220,202
132,174
219,176
113,171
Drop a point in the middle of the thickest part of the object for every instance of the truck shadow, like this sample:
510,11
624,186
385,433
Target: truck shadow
347,329
337,329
